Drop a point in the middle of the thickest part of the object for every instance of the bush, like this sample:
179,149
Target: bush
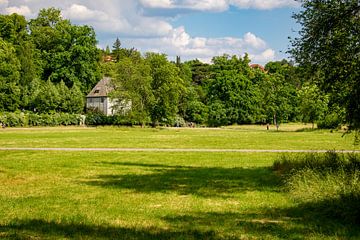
331,121
21,119
327,183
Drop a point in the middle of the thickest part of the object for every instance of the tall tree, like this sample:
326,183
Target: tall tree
116,50
166,87
68,52
231,85
329,42
9,77
133,85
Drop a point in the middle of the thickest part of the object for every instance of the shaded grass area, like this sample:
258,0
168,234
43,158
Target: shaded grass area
97,195
247,137
198,181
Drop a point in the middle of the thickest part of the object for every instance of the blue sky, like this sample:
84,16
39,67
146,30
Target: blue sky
189,28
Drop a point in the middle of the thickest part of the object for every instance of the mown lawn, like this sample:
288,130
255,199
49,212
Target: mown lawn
150,195
246,137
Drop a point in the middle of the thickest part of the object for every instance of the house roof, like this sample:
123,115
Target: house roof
258,66
102,88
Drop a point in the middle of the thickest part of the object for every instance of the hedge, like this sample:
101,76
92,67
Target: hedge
28,119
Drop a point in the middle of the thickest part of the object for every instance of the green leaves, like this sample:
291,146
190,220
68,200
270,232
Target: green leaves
329,43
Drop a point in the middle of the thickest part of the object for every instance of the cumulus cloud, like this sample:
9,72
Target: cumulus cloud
218,5
4,2
180,43
21,10
82,13
263,4
157,3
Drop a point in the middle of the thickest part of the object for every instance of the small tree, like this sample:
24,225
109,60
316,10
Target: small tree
313,104
116,51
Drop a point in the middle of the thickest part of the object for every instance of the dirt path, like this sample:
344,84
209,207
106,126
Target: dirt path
174,150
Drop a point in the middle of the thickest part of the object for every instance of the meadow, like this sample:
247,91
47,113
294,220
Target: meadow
157,195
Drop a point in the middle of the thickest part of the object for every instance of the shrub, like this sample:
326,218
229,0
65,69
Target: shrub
330,121
20,119
327,183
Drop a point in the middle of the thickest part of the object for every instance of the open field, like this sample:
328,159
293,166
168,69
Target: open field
245,137
155,195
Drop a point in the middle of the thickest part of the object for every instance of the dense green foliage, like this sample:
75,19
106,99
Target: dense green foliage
48,65
328,49
328,184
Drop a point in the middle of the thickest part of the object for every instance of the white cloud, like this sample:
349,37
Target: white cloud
263,57
82,13
180,43
254,41
4,2
207,5
21,10
157,3
218,5
263,4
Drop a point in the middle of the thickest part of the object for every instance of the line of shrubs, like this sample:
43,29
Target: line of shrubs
28,119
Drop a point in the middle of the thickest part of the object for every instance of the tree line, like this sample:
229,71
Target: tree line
48,65
228,91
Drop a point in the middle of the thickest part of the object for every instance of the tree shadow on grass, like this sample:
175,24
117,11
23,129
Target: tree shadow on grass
40,229
289,223
200,181
332,215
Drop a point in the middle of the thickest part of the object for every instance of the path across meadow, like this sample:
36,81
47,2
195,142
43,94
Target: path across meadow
175,150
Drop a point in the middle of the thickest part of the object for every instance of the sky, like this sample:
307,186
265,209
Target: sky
191,29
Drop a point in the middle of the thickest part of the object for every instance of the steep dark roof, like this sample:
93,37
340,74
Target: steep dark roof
102,88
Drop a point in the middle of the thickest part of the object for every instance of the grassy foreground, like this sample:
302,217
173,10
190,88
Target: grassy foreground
152,195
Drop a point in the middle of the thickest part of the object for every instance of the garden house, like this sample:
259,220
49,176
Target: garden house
98,98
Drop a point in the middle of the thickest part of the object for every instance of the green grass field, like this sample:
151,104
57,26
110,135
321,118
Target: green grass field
156,195
245,137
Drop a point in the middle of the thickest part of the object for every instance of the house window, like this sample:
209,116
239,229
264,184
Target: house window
90,100
102,100
97,91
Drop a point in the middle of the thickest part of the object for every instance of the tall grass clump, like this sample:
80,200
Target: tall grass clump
328,184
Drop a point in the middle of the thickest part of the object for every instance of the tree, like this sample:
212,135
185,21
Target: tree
231,85
47,98
70,100
116,50
68,52
132,82
13,29
9,77
312,104
329,43
279,101
166,87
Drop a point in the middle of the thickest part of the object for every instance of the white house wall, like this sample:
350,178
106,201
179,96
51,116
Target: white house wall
107,106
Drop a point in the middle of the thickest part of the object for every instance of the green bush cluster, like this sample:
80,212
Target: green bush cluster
327,183
330,121
28,119
100,119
